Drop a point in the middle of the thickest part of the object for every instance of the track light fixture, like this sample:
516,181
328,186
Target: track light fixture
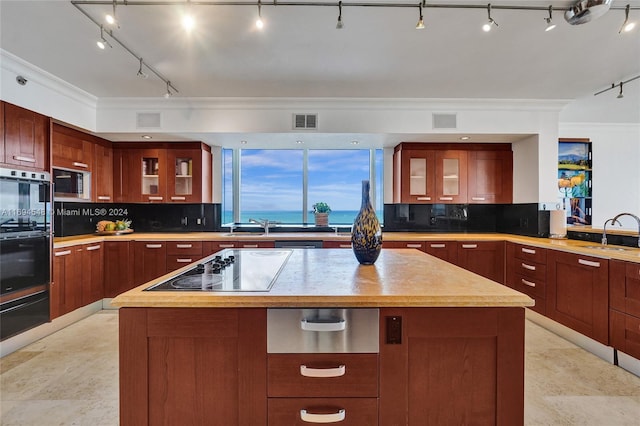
420,24
141,73
110,18
339,24
102,42
188,22
550,24
613,86
168,94
620,95
259,23
626,25
490,23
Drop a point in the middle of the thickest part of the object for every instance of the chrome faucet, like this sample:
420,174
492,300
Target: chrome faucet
604,231
263,223
615,219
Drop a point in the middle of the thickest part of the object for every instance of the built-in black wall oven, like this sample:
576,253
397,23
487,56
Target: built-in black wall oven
25,250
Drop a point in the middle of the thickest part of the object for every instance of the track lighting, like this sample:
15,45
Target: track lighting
141,73
102,42
550,24
626,25
613,86
168,94
420,24
339,25
259,23
110,18
620,95
490,23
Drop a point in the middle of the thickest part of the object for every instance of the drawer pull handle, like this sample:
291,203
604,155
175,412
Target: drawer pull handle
528,251
226,245
529,267
153,246
589,263
155,198
308,325
414,245
184,245
104,197
23,158
529,283
345,245
91,248
178,198
184,260
62,253
469,246
79,164
438,245
423,198
322,418
477,198
250,246
446,198
322,372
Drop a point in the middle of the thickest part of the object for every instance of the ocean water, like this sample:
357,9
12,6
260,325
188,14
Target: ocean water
294,217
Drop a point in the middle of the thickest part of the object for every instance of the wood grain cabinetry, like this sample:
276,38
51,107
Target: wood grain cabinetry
486,258
453,173
164,173
102,176
418,245
71,149
150,260
26,138
336,244
474,354
624,320
578,293
118,267
445,250
210,247
193,366
92,273
527,272
182,253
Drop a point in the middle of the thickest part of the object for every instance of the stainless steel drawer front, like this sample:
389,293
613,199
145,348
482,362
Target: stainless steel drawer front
322,330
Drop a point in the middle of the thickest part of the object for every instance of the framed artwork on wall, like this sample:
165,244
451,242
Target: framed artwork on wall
575,180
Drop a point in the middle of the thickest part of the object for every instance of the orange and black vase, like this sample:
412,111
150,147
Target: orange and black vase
366,237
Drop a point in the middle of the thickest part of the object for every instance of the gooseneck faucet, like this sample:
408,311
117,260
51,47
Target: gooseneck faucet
263,223
604,231
615,219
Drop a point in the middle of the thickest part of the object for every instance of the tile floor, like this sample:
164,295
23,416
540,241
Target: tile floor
71,378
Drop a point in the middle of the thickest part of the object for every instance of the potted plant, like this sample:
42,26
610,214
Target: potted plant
321,212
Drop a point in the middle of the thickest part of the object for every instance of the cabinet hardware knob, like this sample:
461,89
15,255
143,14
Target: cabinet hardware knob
307,417
310,325
323,372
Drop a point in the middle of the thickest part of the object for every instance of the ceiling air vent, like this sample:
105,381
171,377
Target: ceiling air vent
148,120
444,121
305,121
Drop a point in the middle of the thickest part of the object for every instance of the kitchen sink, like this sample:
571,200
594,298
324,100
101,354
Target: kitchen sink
609,248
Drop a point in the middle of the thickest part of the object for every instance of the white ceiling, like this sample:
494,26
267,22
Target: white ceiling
300,53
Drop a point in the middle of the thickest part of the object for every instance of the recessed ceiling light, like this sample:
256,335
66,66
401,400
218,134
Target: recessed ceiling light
299,142
146,137
354,142
464,138
243,142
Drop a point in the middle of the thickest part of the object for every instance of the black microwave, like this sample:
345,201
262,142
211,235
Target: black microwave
71,185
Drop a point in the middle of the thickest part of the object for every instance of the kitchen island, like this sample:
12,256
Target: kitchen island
450,348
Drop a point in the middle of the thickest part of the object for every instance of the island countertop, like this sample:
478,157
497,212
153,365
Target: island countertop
334,278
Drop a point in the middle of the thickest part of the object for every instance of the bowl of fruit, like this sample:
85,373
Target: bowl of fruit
108,227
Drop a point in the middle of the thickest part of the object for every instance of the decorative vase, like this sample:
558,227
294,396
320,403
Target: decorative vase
322,219
366,237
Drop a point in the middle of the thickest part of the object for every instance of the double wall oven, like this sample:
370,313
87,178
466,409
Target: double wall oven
25,250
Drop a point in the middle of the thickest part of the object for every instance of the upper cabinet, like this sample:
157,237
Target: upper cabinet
26,138
102,177
453,173
71,149
165,173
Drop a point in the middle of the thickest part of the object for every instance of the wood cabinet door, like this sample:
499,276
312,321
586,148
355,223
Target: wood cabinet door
118,267
150,260
624,287
66,294
193,367
451,177
490,177
418,245
26,136
102,176
451,366
445,250
416,175
71,149
92,261
578,293
184,175
486,258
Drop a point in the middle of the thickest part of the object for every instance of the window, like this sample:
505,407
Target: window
283,185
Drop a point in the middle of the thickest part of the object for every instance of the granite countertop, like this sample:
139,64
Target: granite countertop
334,278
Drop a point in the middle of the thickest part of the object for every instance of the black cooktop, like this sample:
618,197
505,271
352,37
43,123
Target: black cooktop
230,270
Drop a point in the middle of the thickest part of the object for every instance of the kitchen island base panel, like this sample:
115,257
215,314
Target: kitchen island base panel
209,366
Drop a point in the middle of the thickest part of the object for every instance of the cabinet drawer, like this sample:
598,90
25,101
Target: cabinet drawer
533,270
178,261
303,411
403,244
530,253
296,331
184,247
624,287
625,333
336,244
323,375
527,285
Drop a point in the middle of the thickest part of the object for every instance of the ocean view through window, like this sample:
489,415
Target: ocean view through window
282,185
